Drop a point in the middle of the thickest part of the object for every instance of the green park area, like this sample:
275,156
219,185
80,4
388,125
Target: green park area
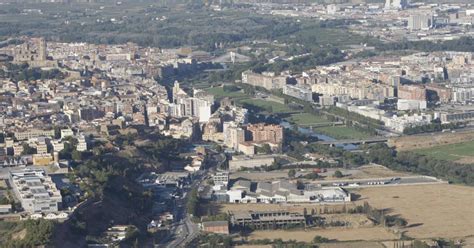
220,92
302,119
306,119
451,152
265,105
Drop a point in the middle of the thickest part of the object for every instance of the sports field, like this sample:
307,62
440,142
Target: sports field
342,132
306,119
461,152
219,93
266,105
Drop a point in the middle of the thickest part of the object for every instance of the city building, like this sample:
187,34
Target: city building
265,80
412,92
35,190
81,143
266,133
420,22
221,178
266,219
462,116
33,133
298,91
396,4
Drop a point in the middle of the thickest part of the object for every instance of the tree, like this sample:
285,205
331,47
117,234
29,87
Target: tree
28,150
265,148
338,174
318,239
292,173
76,155
193,202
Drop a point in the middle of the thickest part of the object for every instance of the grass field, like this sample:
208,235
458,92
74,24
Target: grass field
219,93
431,210
342,132
305,119
462,152
268,106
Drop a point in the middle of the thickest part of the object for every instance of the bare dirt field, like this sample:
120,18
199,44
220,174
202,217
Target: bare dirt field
407,143
355,244
431,210
340,234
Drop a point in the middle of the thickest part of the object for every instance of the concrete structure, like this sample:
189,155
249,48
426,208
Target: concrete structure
412,92
66,133
267,80
32,52
266,219
283,192
233,135
420,22
298,91
221,178
33,133
35,190
404,104
266,133
457,117
400,123
81,143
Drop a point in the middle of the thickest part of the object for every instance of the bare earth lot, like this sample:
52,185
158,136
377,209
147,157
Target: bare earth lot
431,210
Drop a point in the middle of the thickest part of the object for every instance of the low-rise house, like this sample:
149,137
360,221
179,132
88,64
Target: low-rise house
5,208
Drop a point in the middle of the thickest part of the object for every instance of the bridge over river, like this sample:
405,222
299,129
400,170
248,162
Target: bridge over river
354,141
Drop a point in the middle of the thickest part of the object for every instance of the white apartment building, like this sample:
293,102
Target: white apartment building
81,143
35,190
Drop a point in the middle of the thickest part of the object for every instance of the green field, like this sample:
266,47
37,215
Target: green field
342,132
219,93
450,152
266,106
306,119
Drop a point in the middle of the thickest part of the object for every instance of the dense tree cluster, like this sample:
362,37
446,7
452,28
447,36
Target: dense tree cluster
464,44
38,233
23,72
417,163
432,127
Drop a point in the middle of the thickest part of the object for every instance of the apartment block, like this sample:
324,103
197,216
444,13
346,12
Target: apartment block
35,190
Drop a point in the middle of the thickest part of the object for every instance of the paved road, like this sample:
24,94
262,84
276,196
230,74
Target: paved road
183,230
